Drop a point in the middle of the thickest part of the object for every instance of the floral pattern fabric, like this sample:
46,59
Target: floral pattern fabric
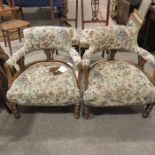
108,38
37,85
47,37
118,83
144,7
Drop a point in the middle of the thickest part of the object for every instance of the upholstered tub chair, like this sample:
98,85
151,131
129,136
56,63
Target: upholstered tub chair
41,83
114,82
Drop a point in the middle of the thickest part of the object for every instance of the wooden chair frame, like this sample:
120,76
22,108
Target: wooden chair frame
95,13
141,63
49,58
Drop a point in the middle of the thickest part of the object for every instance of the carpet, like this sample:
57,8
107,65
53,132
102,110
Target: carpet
54,131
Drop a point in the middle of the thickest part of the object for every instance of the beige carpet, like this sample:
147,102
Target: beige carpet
54,131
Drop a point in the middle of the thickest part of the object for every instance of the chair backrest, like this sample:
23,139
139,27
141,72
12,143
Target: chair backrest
48,37
8,10
109,38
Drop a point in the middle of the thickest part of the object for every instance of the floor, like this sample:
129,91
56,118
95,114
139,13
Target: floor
54,131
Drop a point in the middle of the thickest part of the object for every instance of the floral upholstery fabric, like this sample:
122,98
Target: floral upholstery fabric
108,38
145,55
102,39
118,83
144,7
37,85
47,37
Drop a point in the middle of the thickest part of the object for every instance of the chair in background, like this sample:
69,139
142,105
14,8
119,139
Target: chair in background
62,12
41,83
96,13
10,10
11,26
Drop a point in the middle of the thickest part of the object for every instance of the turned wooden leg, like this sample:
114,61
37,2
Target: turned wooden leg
147,110
14,108
86,112
77,111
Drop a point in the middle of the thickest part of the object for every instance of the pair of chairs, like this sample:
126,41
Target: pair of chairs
107,83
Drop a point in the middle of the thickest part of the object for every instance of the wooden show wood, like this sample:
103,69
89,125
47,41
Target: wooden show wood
95,13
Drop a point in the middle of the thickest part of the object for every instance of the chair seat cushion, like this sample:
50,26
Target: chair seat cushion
118,83
37,85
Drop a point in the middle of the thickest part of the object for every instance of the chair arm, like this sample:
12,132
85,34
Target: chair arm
16,57
147,56
76,57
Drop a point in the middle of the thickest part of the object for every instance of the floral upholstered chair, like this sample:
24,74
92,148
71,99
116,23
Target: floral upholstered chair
114,82
46,82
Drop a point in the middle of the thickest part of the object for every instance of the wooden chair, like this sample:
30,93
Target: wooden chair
96,14
10,27
63,17
11,10
40,82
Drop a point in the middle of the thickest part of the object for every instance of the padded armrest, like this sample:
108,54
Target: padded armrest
145,55
75,56
16,56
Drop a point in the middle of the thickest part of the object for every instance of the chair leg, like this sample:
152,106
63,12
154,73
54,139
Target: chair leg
4,38
77,111
147,110
86,112
14,108
103,53
9,42
19,35
22,15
